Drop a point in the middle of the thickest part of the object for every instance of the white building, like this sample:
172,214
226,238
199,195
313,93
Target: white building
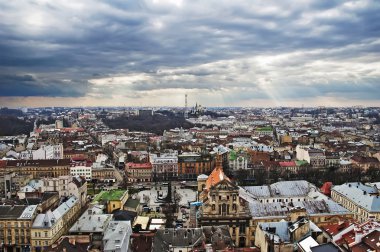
44,152
165,166
66,186
315,157
83,170
58,124
116,237
238,160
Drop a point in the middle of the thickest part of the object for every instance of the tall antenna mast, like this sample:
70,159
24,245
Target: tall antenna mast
185,106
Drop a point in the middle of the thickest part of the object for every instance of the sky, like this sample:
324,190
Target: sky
254,53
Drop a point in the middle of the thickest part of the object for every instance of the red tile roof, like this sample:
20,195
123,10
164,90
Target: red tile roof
138,165
288,164
333,229
326,188
217,175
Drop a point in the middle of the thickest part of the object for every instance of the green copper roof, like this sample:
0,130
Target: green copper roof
233,155
265,129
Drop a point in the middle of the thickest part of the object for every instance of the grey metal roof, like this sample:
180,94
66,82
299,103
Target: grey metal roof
296,188
281,209
91,221
49,218
28,213
11,212
180,237
280,230
360,194
117,235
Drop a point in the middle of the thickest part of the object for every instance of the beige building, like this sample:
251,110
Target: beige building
361,199
222,205
15,223
137,172
37,168
12,182
49,226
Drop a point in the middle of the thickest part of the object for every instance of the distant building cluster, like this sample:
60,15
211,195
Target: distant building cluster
237,179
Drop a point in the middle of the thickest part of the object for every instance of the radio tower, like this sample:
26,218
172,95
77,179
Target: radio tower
185,114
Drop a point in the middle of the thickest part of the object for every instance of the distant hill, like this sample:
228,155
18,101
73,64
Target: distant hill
11,125
155,124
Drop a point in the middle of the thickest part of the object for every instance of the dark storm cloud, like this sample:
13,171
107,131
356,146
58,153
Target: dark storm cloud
206,45
27,85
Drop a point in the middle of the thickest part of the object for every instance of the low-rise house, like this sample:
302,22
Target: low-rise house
289,166
113,200
132,205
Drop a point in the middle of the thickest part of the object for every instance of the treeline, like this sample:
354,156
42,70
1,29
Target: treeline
11,112
155,124
11,125
314,176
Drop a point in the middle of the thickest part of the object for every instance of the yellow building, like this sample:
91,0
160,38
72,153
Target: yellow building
37,168
190,165
114,199
361,199
15,223
50,226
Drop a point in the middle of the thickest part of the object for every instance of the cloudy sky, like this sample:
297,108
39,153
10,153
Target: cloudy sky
220,53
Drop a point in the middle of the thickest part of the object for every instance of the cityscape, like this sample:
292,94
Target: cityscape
189,126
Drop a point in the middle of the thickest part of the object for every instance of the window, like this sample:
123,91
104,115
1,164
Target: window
213,207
